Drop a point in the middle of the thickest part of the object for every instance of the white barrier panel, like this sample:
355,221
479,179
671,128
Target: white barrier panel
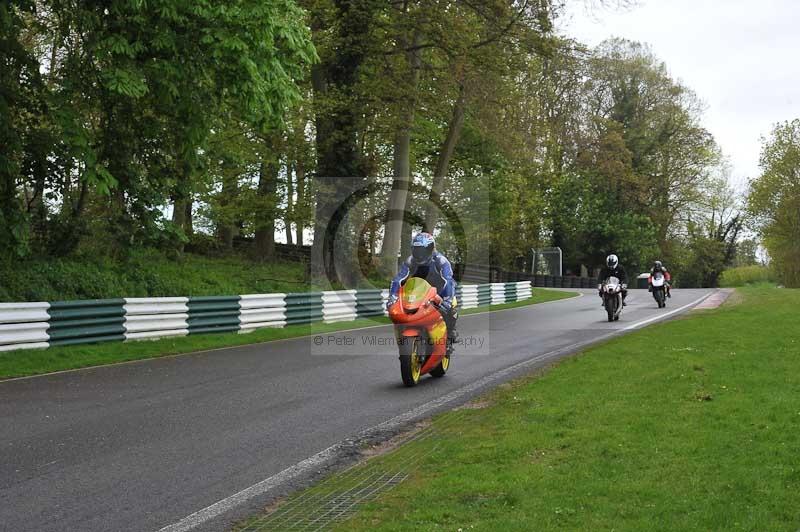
23,333
469,296
498,291
155,317
339,306
261,310
384,300
524,290
24,312
24,325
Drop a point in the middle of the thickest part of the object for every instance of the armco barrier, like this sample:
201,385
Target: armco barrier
339,306
498,291
213,314
467,296
484,295
369,303
262,310
40,325
24,325
156,317
304,308
83,322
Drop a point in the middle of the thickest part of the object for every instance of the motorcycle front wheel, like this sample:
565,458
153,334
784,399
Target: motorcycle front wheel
610,307
660,298
410,360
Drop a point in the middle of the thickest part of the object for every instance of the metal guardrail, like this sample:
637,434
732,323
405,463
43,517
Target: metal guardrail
481,273
43,324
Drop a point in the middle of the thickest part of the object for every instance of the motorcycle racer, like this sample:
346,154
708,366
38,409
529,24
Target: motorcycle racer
613,269
427,263
658,267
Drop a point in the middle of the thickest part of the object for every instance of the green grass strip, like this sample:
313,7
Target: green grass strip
687,425
34,362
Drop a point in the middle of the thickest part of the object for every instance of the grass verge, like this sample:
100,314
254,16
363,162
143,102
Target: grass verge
34,362
687,425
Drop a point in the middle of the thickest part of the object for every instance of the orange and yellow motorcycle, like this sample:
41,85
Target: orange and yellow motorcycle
420,330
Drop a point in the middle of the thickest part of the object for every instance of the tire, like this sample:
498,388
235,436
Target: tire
440,370
610,308
410,360
660,297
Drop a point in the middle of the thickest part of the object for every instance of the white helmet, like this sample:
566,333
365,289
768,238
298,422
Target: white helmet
612,261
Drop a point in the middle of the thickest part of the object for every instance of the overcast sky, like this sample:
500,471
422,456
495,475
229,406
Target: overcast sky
739,56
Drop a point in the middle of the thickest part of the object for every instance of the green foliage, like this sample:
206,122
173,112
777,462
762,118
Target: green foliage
707,259
132,92
118,114
747,275
20,110
145,274
774,201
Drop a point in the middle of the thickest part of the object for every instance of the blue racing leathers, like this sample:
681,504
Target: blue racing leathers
437,271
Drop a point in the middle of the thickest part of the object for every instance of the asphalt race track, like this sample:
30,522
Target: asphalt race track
141,446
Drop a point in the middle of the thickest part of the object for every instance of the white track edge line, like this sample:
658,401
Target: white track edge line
223,506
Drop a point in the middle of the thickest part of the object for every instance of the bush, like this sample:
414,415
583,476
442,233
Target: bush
144,274
745,275
149,273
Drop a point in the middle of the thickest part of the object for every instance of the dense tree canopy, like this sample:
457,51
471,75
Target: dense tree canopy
171,123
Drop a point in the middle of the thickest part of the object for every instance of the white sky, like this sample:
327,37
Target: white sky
739,56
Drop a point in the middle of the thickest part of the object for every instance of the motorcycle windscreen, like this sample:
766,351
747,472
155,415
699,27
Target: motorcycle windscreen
413,292
613,281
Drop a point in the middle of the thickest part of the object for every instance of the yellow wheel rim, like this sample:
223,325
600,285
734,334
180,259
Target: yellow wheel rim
415,365
446,362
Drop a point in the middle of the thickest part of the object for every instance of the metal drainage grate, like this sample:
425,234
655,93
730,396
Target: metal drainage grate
338,497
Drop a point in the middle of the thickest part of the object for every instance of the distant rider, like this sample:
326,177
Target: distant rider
614,269
427,263
658,267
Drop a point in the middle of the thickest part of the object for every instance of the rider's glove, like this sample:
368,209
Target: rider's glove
446,305
624,287
391,301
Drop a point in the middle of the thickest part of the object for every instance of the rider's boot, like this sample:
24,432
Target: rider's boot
452,331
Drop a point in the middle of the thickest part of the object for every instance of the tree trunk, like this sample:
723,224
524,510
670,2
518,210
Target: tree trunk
226,228
397,201
339,171
179,205
396,210
300,204
445,155
289,215
265,217
188,219
406,233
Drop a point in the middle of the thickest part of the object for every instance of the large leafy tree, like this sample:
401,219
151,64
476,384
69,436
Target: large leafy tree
774,200
22,107
135,87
